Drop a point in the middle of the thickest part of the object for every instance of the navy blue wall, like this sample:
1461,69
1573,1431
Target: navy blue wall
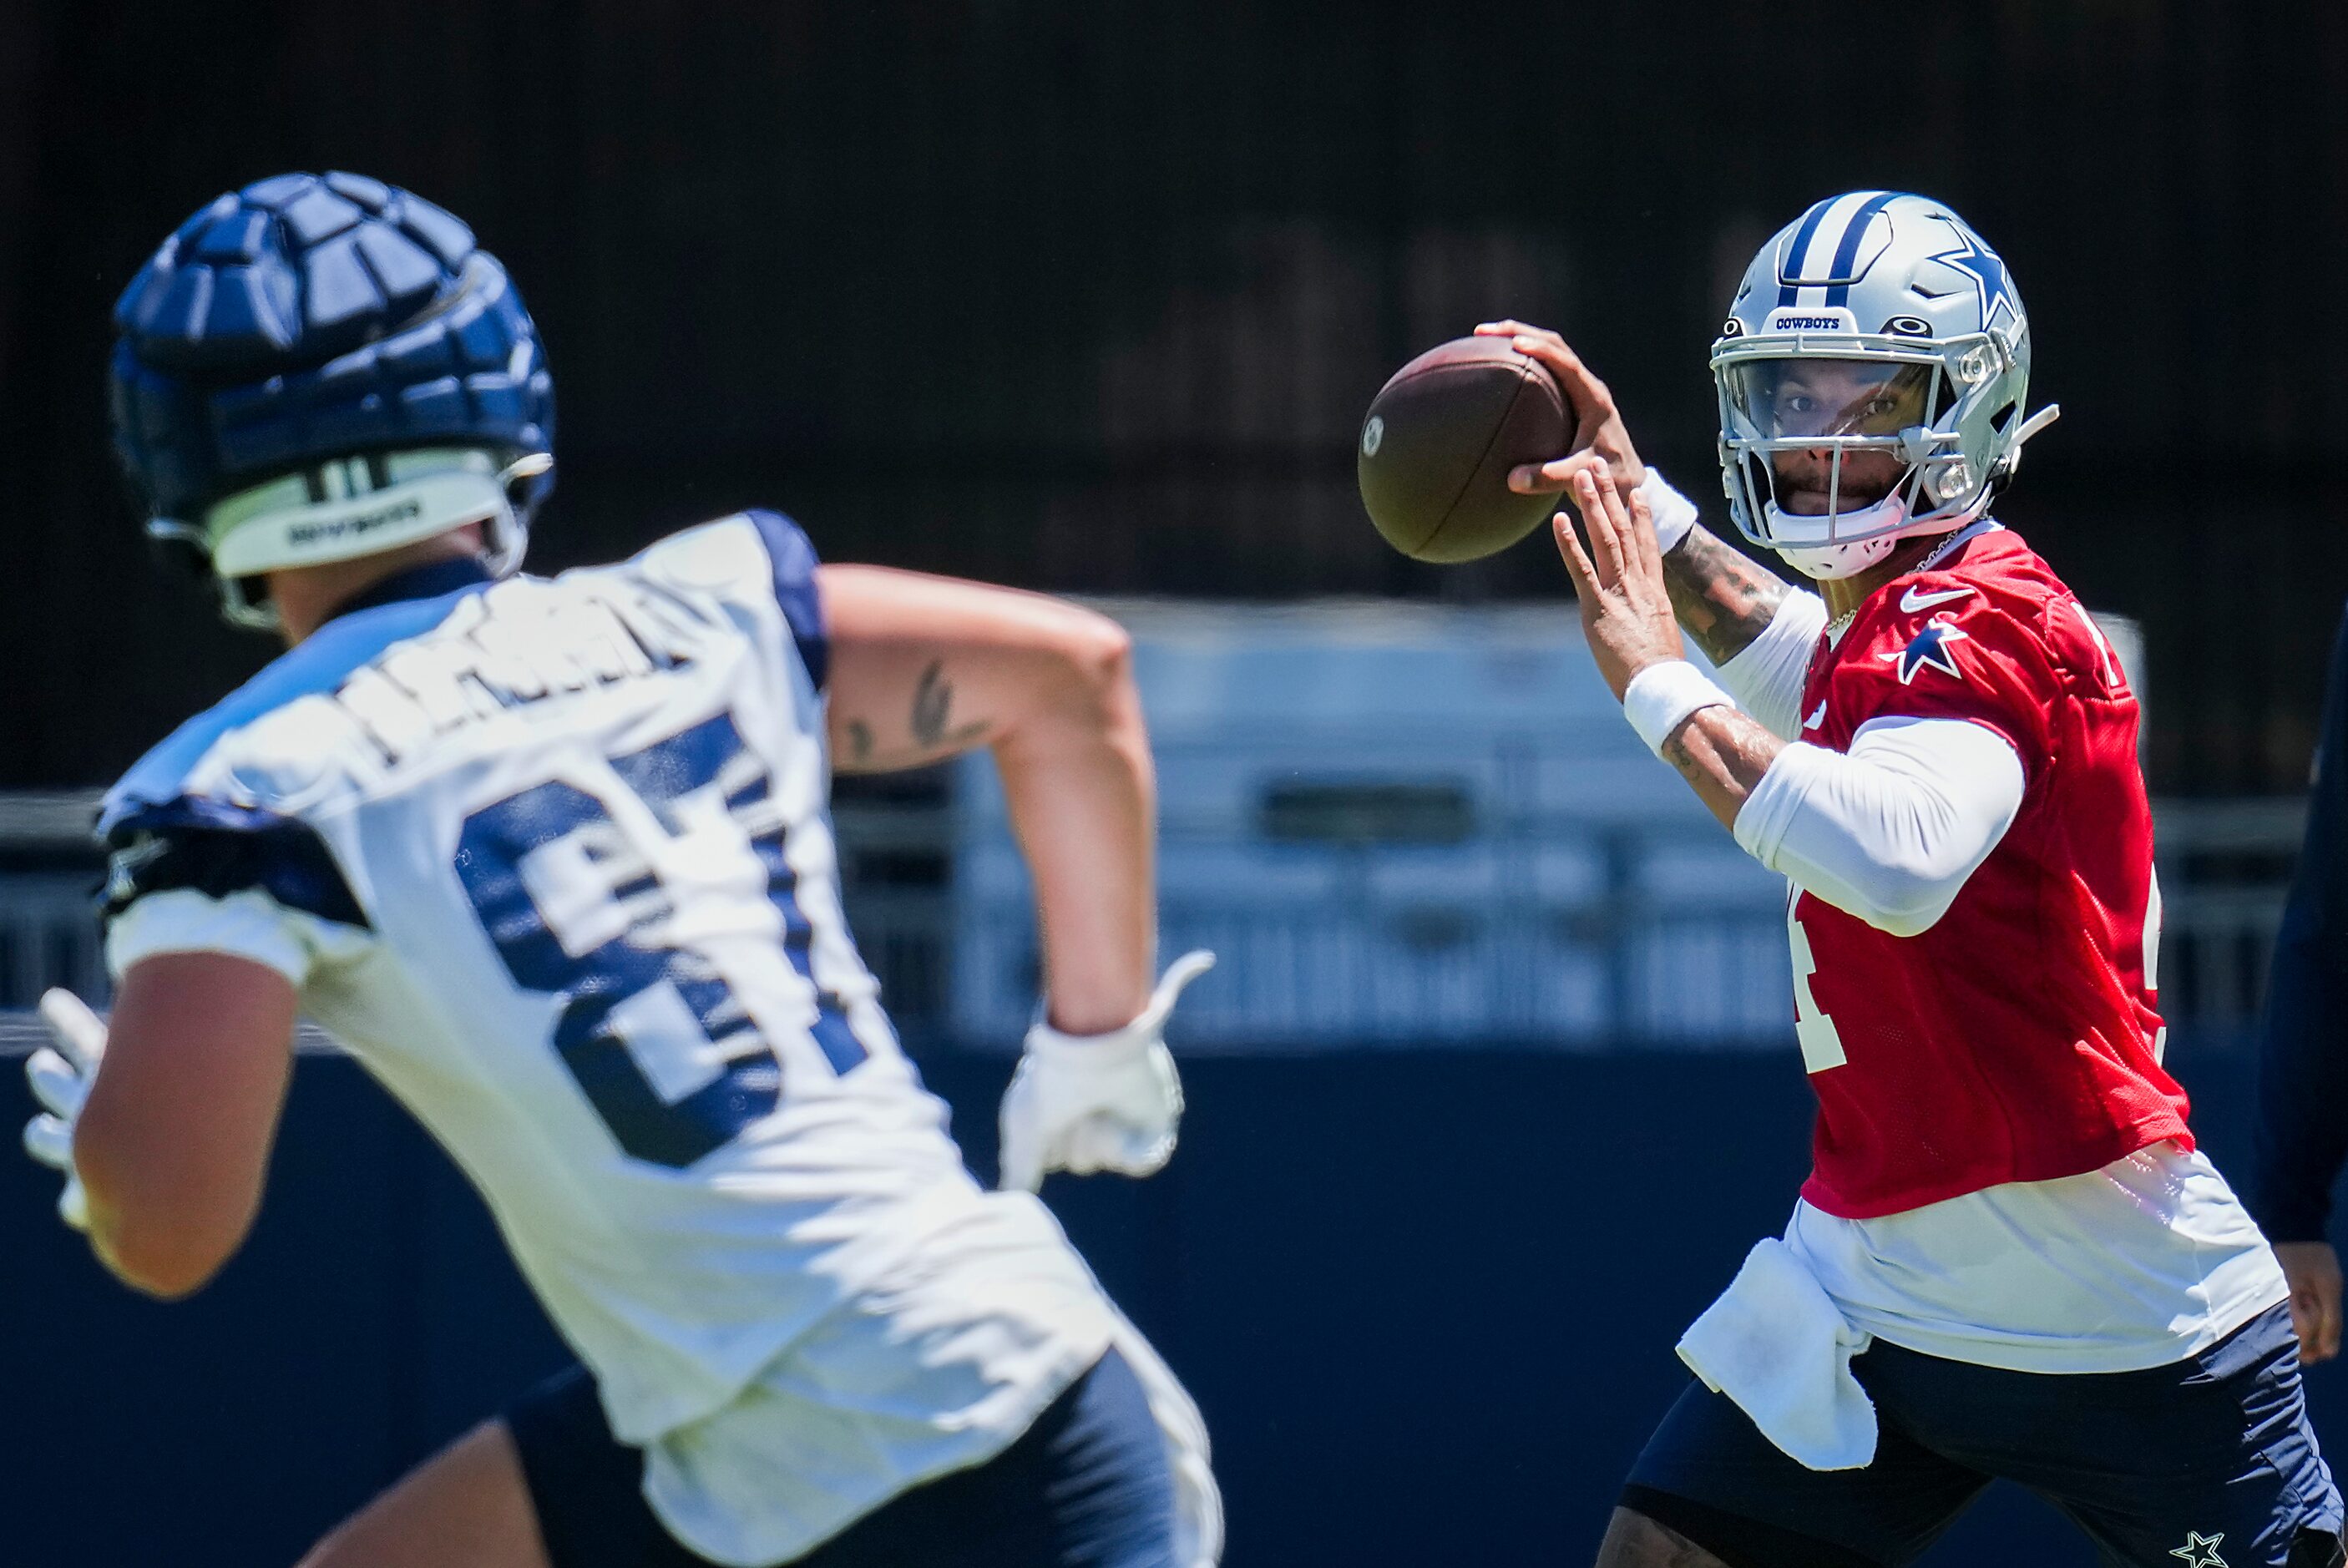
1427,1302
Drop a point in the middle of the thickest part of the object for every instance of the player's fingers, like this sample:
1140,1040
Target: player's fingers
55,1083
1514,329
1586,396
1021,1162
1020,1152
73,1204
1639,537
1105,1142
1143,1152
1089,1146
1547,478
80,1034
1611,495
1593,493
1577,560
1638,522
2314,1317
49,1141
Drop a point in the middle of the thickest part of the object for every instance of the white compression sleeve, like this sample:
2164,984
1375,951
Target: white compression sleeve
1889,830
1767,677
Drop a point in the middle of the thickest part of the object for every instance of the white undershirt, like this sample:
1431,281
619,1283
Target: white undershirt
1890,829
2143,1263
1767,676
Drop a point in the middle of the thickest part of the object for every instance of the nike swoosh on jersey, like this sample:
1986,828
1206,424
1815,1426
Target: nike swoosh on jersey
1816,718
1916,598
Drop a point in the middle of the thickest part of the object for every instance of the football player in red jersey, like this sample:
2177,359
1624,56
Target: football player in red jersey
2009,1259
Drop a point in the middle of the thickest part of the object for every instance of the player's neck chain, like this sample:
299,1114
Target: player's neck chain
1842,624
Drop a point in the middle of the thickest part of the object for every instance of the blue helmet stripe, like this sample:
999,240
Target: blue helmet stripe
1788,292
1847,251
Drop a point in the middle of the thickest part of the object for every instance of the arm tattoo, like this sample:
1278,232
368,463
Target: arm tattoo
1722,599
859,741
933,710
1677,753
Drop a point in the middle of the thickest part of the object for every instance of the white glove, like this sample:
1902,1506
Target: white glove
1082,1103
61,1079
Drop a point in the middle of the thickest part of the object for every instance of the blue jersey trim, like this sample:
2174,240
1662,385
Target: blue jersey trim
322,662
794,561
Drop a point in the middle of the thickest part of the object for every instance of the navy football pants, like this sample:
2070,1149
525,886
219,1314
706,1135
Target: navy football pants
2206,1461
1087,1486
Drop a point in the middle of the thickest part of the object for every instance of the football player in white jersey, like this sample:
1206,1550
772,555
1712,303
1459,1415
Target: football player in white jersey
552,858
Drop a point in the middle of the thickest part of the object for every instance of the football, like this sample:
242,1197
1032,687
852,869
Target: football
1440,438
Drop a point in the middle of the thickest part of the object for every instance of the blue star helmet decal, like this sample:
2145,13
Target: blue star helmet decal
1927,650
1982,264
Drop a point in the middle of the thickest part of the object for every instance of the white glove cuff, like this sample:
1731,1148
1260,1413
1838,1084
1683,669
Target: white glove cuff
1118,1047
1673,512
1084,1052
1662,696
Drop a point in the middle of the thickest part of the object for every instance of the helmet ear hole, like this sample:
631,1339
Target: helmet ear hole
2003,420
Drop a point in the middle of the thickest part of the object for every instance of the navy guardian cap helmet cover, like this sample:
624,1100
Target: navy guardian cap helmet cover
315,367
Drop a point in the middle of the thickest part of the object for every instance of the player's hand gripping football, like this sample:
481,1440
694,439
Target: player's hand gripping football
1626,611
61,1078
1597,422
1082,1103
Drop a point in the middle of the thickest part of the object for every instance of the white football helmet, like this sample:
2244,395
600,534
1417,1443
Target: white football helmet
1871,375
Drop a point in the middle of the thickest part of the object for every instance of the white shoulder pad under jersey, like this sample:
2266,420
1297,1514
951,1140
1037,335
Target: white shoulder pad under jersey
554,858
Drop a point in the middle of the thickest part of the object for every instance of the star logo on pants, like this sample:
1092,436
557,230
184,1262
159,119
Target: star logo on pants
2200,1551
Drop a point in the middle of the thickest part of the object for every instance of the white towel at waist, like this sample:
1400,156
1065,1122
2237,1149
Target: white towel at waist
1777,1345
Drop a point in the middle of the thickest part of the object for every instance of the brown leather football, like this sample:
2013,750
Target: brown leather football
1438,443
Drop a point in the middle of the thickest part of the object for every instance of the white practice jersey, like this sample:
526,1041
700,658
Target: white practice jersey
553,859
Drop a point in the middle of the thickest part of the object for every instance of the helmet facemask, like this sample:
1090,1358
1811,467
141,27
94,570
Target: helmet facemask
1834,447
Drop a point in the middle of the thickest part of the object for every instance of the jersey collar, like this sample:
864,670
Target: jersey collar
429,580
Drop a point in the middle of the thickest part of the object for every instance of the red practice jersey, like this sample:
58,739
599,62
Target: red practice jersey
2017,1039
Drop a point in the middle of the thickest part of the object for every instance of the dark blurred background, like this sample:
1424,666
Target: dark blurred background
1090,297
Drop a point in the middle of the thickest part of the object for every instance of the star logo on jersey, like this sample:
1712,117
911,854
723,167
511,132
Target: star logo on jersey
1927,650
1979,264
2200,1551
1916,598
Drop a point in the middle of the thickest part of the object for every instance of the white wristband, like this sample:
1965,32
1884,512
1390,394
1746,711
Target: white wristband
1673,513
1661,695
